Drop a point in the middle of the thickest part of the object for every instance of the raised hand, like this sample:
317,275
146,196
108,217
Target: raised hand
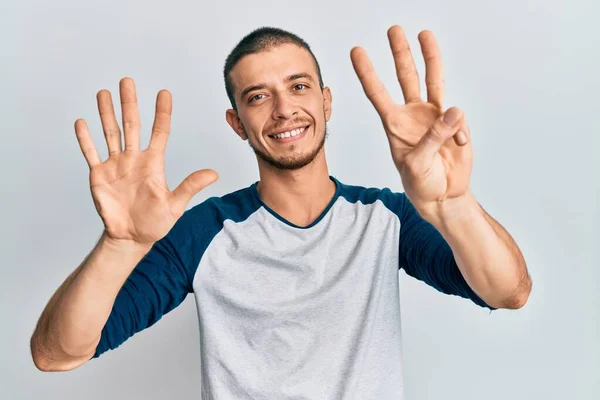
433,167
129,188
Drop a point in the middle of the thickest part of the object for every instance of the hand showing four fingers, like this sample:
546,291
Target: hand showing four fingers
430,147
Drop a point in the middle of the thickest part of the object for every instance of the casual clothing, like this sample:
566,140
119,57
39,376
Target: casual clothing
289,312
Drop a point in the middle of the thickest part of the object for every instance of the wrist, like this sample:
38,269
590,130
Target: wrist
123,246
113,260
459,210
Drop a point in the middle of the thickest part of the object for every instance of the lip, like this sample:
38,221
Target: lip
290,139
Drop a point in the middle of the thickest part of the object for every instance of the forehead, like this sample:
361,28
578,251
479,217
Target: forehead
272,66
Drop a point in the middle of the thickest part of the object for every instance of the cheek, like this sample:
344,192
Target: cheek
319,109
248,123
319,115
256,120
253,132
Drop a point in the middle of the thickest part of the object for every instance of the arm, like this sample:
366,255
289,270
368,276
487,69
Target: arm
119,290
70,326
136,272
426,255
432,150
486,254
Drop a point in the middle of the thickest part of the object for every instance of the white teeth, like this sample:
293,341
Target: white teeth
289,133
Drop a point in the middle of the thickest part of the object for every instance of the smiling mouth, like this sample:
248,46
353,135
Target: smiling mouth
291,135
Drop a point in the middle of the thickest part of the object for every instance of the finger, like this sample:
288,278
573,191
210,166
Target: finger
131,115
406,70
463,135
162,121
190,186
434,74
86,143
371,84
112,132
442,129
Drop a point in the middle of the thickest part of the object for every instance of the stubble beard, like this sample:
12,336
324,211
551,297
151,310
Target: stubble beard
294,161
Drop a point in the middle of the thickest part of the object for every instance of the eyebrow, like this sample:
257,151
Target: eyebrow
291,78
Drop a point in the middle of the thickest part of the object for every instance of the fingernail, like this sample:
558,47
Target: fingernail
461,138
451,116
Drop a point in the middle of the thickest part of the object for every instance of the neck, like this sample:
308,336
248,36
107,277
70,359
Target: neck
299,196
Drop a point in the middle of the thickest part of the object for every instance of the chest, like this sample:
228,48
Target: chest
267,265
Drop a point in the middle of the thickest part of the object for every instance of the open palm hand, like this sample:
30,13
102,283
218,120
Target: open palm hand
433,167
129,189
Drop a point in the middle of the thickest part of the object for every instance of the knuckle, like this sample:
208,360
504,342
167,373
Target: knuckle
438,132
112,132
408,74
130,124
435,83
160,130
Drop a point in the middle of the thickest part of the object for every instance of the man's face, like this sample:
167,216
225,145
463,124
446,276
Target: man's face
281,109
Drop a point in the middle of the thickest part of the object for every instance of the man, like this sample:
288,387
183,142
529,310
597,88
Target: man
295,276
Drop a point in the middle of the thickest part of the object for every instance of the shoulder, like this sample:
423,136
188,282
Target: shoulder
207,218
392,200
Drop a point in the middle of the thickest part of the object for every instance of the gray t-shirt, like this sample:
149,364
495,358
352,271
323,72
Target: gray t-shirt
289,312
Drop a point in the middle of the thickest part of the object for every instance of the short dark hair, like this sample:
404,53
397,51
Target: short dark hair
262,39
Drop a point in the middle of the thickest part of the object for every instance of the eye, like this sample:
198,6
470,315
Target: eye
301,85
255,97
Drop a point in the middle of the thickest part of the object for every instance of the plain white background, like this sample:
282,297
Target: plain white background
525,73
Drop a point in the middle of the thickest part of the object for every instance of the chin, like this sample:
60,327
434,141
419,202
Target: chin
295,160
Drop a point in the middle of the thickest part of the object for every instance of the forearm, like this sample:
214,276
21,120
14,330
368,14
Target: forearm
487,256
71,324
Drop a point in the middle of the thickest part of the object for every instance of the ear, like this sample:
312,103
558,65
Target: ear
327,103
236,124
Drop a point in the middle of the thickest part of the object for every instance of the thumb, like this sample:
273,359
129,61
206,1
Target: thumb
191,185
442,129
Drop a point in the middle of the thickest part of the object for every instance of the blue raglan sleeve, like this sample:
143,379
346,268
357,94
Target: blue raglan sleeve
426,256
159,283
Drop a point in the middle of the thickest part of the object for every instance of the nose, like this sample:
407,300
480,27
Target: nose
284,107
